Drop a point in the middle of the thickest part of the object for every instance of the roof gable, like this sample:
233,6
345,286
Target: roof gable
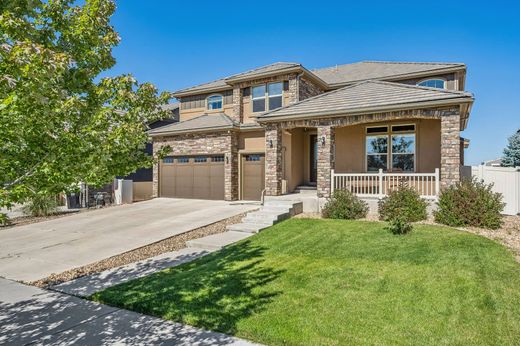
366,96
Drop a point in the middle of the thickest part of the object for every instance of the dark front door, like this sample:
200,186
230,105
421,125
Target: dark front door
313,150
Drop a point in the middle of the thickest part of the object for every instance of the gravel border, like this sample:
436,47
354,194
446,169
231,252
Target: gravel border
174,243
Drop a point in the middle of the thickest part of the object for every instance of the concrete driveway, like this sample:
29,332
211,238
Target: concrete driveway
35,251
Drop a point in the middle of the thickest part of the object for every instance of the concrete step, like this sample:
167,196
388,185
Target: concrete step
306,188
248,227
217,241
266,216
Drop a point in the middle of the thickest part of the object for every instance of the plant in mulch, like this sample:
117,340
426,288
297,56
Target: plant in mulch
344,205
41,205
404,203
399,226
470,203
4,220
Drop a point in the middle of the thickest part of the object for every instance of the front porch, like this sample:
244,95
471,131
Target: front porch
368,155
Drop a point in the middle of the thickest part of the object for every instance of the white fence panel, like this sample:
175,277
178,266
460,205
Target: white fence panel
505,180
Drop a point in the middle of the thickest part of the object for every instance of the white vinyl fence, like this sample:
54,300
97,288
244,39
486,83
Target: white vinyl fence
506,180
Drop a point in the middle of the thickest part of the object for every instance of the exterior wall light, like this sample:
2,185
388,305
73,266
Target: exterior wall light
270,143
323,140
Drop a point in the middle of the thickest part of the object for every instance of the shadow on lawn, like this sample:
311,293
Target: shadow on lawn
214,292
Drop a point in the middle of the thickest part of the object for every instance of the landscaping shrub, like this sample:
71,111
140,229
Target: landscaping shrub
344,205
4,220
41,205
470,203
399,226
404,203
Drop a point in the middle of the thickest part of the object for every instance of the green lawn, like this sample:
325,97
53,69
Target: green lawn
328,282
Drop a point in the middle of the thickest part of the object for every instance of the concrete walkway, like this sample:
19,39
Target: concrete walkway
32,252
32,315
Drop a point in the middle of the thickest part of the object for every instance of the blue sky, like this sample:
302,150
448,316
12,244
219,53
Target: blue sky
176,44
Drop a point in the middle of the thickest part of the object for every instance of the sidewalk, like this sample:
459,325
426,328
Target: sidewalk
32,315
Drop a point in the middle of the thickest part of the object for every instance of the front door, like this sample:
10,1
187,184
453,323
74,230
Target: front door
313,150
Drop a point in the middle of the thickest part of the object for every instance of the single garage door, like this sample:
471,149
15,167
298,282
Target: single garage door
253,176
199,177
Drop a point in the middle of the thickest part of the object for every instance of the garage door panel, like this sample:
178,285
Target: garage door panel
253,176
202,180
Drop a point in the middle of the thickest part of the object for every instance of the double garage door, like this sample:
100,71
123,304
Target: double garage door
199,177
202,177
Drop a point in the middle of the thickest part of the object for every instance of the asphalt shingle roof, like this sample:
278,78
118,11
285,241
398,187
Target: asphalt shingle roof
365,70
365,96
197,124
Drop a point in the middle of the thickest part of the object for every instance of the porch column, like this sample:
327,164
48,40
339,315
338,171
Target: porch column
450,150
231,168
273,160
325,160
155,171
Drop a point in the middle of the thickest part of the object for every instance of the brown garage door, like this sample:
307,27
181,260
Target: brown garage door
253,176
192,177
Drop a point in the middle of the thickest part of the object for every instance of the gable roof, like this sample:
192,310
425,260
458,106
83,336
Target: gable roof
365,70
368,96
205,122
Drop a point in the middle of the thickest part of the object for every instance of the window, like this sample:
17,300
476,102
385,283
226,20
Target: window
168,159
201,159
219,158
258,96
433,83
392,151
215,102
252,157
183,160
267,97
274,90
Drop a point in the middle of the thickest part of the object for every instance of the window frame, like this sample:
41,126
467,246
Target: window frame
266,96
221,102
389,154
444,82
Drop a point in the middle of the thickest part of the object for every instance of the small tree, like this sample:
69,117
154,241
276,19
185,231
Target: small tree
512,151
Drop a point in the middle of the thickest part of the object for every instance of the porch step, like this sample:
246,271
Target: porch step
306,188
217,241
272,211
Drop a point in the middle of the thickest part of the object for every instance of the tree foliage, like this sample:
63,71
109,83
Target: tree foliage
512,151
60,123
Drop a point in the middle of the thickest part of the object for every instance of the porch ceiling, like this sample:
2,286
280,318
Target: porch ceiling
367,97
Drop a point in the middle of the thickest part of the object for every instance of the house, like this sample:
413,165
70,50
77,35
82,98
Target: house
366,126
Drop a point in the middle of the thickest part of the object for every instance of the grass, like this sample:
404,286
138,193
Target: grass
330,282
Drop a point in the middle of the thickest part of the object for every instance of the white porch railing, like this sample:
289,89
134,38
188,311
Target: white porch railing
380,184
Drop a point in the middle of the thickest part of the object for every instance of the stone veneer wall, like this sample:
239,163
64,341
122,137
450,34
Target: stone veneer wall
308,89
450,150
325,160
238,106
273,160
202,144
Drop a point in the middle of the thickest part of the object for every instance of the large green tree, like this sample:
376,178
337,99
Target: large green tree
512,151
60,123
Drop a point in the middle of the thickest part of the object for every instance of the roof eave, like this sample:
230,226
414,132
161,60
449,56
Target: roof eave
367,110
199,130
181,93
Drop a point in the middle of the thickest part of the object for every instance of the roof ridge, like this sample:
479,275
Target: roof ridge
411,62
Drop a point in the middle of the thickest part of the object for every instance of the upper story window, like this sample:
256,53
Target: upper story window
267,97
215,102
433,83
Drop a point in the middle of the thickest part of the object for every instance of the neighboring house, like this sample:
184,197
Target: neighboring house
143,177
493,163
365,126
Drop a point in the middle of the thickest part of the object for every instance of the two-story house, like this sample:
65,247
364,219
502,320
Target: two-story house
366,126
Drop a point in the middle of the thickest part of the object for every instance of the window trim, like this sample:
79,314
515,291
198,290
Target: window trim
389,153
444,80
266,96
215,109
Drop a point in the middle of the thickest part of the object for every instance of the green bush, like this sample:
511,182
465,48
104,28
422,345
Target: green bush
470,203
344,205
399,226
4,220
41,205
405,203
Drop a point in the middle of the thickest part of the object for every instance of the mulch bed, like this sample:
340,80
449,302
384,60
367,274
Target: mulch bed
174,243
